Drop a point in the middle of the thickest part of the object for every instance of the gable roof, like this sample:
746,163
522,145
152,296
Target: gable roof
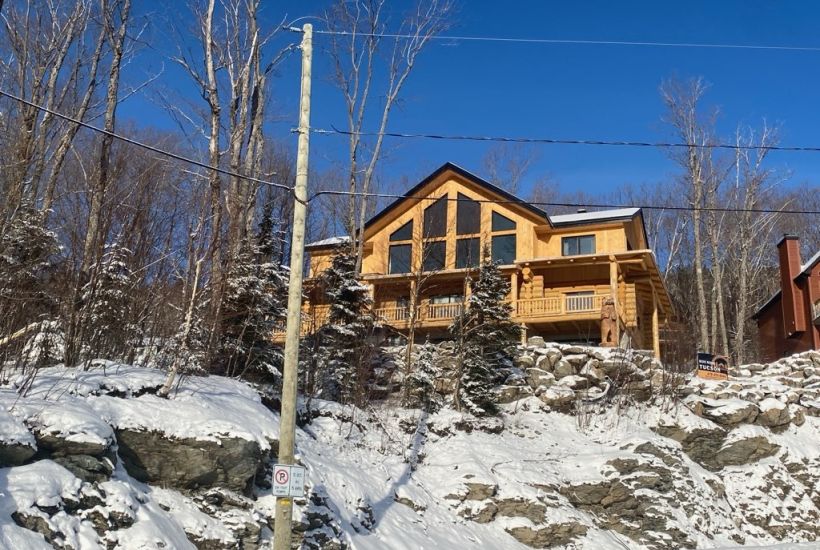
449,166
598,216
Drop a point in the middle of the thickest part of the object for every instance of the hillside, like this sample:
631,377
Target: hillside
95,460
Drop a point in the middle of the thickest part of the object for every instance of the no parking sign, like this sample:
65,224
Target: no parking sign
288,480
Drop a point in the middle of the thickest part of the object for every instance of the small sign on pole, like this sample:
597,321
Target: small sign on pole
713,367
288,480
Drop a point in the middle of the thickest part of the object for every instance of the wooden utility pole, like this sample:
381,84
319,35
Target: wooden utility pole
287,423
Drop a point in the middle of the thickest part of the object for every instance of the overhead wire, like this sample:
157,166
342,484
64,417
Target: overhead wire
560,141
522,202
560,41
145,146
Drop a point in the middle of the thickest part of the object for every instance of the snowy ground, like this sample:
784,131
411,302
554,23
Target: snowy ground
388,478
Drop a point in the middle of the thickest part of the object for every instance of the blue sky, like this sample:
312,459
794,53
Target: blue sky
560,91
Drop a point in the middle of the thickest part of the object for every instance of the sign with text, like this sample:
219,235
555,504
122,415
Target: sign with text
288,480
713,367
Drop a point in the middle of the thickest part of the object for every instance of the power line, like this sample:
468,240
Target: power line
558,41
143,145
558,141
724,209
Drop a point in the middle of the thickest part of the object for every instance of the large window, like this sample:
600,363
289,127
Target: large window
403,233
468,216
467,253
503,249
502,223
435,255
400,258
573,246
435,219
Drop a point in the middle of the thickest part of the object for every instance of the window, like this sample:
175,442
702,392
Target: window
435,254
573,246
502,223
403,233
399,258
468,216
435,219
503,249
467,253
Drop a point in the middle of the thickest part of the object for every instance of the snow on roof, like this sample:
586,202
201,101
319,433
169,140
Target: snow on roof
332,241
601,215
804,269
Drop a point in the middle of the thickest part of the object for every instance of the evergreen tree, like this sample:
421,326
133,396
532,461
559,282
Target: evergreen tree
484,333
254,301
421,381
347,337
106,303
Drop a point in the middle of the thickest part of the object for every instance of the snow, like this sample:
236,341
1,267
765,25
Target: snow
594,216
12,430
201,408
332,241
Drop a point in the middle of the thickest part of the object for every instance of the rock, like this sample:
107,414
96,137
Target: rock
773,413
575,382
586,493
700,443
744,448
15,454
798,415
187,463
537,377
558,397
592,370
613,367
86,467
508,394
524,361
521,508
58,445
483,513
575,350
543,363
730,412
640,390
535,341
576,360
480,491
553,355
554,534
563,368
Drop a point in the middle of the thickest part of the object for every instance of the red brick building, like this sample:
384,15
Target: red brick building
790,321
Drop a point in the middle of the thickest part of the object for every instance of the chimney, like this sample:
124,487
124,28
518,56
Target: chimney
794,319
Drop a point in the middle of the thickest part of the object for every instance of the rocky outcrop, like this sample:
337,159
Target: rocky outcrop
188,464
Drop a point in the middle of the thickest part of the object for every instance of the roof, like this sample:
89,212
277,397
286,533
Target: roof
805,268
599,216
332,241
449,166
804,272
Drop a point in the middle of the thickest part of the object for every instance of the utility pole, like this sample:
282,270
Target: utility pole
287,422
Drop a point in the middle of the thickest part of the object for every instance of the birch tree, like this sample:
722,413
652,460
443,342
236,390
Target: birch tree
356,46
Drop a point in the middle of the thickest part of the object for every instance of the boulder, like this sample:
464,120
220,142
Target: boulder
576,382
773,413
524,361
508,394
537,377
558,397
592,370
535,341
533,510
745,448
640,390
553,355
543,363
545,536
563,368
576,360
699,442
586,494
798,415
185,463
730,412
15,454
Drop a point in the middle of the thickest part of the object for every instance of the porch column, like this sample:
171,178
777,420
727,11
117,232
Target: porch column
656,340
514,292
613,290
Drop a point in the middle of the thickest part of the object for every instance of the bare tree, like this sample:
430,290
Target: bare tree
508,163
682,101
356,43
